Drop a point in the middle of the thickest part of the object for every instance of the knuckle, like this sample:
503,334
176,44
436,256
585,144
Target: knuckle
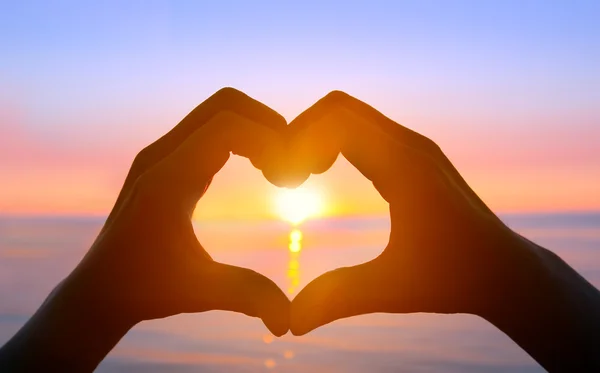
227,94
337,95
142,159
428,143
423,143
431,147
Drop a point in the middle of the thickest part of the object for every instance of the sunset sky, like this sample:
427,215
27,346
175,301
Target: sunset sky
508,89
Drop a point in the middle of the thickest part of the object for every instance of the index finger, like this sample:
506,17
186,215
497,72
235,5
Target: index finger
183,176
328,129
226,99
336,99
421,147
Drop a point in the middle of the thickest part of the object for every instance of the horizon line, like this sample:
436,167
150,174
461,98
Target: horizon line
95,216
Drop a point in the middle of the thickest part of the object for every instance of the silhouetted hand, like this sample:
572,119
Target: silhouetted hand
147,258
443,242
447,252
147,263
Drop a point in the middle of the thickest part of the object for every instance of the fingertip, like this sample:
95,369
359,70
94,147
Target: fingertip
317,144
324,163
273,305
309,308
298,325
277,166
341,293
246,291
276,314
278,330
280,176
298,332
294,180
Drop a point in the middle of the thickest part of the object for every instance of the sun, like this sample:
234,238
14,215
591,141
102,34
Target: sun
297,205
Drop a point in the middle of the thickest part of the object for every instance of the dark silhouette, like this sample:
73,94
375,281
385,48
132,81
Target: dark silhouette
448,253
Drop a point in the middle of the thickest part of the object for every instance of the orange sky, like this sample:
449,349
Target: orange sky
516,170
239,191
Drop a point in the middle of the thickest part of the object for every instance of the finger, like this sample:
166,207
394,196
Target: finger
344,292
185,173
243,290
336,99
335,128
407,137
226,99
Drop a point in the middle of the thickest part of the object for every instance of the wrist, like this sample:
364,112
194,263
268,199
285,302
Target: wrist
88,324
545,306
73,330
92,306
515,272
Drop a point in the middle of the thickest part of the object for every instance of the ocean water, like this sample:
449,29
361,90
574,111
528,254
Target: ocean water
36,253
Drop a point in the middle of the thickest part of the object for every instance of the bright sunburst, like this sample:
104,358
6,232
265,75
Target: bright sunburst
296,205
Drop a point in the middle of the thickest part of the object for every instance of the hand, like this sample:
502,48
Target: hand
443,254
146,262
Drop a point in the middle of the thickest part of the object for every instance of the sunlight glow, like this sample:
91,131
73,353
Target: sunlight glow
297,205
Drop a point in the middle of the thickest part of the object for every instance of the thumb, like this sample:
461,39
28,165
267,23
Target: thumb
242,290
341,293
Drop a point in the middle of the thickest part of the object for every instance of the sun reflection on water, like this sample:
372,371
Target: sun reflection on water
293,272
270,363
267,338
289,354
295,241
293,275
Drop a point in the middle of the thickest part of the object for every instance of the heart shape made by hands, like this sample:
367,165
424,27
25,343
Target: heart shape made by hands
442,254
438,258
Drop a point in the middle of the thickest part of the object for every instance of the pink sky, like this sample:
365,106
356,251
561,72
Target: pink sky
525,170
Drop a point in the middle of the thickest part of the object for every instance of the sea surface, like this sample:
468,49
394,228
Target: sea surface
37,252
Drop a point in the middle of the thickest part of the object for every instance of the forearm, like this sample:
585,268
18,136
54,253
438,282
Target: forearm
72,331
549,310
